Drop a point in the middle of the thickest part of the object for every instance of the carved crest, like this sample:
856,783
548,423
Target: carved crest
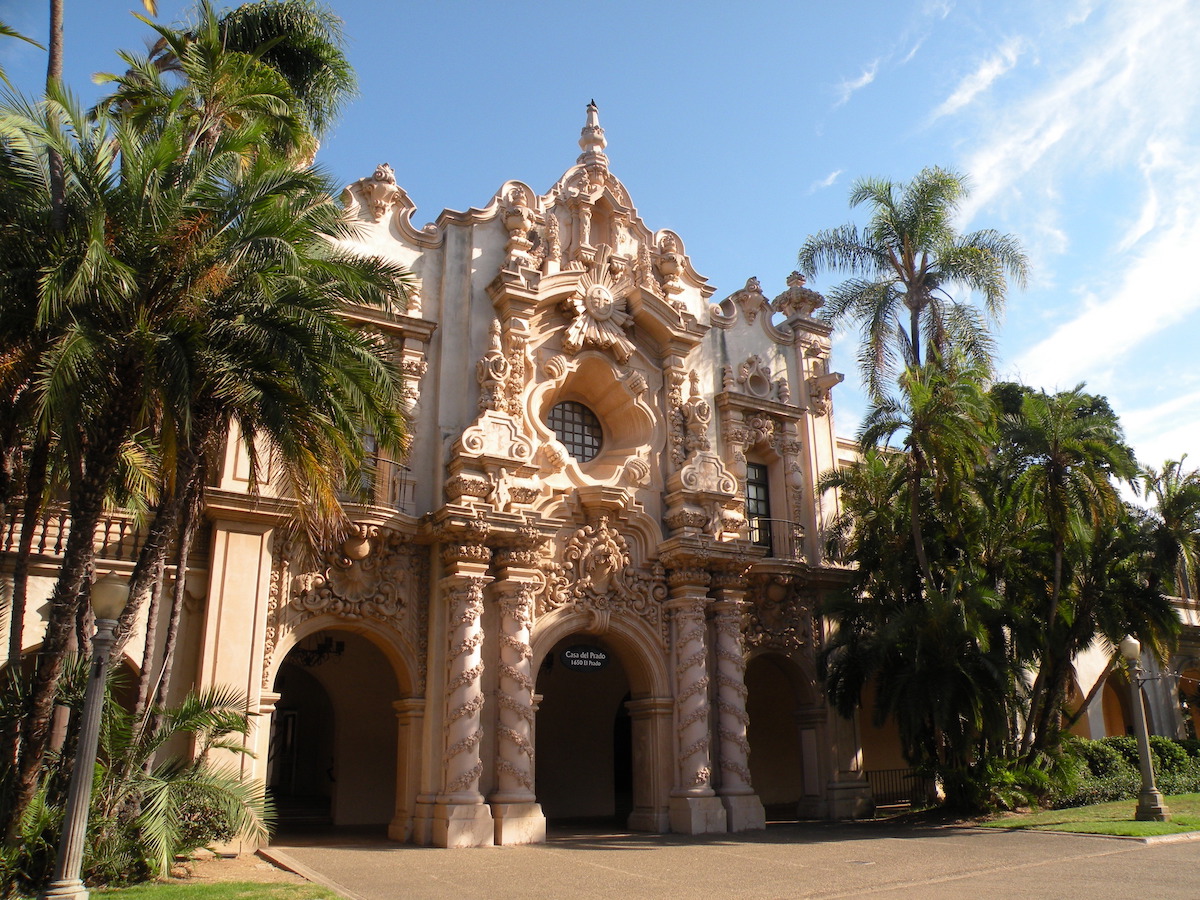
797,300
597,574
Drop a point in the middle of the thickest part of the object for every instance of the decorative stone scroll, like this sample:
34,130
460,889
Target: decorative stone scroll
597,575
749,299
379,191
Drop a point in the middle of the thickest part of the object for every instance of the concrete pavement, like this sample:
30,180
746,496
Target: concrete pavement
806,860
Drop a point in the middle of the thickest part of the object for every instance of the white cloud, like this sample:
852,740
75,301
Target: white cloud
847,88
827,181
981,79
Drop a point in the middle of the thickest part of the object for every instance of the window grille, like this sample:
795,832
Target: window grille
578,429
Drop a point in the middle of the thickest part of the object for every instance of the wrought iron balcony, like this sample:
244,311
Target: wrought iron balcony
782,538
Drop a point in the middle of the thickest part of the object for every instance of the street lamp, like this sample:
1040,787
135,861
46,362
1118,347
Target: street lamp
1150,806
109,595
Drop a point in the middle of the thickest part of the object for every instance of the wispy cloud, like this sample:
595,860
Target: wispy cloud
827,181
981,79
847,88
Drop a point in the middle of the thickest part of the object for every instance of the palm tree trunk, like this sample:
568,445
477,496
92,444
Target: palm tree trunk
187,532
54,67
35,485
86,505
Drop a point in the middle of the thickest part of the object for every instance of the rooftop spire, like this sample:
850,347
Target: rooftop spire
591,139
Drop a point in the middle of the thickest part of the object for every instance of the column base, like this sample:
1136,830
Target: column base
463,825
519,823
744,812
653,820
400,829
697,815
849,799
71,889
422,823
1151,807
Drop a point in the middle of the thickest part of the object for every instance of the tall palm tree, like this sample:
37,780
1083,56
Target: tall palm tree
905,262
1176,496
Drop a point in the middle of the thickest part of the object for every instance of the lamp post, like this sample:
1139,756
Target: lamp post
109,595
1150,805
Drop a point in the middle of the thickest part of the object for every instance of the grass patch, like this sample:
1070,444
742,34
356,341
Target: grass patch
1115,818
225,890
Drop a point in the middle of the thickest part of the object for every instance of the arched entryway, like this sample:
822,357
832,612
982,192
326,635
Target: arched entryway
332,758
585,770
784,735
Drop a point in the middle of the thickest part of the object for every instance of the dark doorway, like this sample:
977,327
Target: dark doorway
334,733
584,755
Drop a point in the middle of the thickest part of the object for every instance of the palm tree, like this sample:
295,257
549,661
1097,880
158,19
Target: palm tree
185,273
1067,448
905,261
1176,495
945,417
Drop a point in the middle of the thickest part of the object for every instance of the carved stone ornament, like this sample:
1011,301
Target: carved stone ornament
379,191
697,417
599,312
749,299
381,575
670,264
492,372
704,473
755,377
778,618
497,435
797,300
819,387
518,221
596,574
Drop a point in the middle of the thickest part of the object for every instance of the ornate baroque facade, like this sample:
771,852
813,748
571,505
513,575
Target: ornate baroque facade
608,468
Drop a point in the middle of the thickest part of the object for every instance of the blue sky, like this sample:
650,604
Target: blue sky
741,127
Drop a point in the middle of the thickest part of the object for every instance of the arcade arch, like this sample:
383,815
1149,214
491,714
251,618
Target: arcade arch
334,743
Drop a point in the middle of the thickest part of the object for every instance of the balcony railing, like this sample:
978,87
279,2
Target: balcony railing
783,539
385,483
900,787
117,537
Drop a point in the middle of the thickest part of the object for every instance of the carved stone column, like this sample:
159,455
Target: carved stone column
410,714
743,809
694,807
517,814
461,818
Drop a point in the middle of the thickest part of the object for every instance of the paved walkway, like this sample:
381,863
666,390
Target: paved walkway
817,861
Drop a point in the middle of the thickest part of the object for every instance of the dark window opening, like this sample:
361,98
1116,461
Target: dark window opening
578,429
758,504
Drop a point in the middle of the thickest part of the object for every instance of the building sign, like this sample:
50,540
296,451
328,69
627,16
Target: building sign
584,656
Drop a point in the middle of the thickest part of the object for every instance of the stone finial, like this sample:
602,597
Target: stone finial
797,299
591,139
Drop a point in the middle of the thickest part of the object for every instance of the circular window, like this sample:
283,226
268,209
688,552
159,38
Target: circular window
577,428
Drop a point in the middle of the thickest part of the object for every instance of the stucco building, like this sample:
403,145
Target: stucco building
588,588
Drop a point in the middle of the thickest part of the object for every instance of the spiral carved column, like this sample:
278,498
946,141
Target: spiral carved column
743,808
461,819
518,816
694,808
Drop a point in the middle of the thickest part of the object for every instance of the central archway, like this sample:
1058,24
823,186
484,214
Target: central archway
584,734
603,742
